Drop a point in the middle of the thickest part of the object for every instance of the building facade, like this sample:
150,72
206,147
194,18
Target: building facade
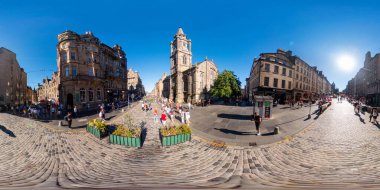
89,73
188,82
13,80
135,85
285,77
161,88
48,90
365,84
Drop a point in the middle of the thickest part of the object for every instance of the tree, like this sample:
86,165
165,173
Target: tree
227,85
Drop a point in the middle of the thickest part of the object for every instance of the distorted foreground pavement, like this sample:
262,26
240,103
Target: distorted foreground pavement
336,151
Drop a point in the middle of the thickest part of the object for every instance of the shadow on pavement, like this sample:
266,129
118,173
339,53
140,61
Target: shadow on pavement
268,134
143,132
7,131
278,124
235,116
229,131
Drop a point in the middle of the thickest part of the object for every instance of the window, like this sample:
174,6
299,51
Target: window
290,73
89,60
283,84
297,68
275,69
184,60
67,71
275,82
289,85
72,56
96,73
74,71
90,95
296,84
284,71
64,56
117,73
267,67
98,94
82,94
266,81
90,72
297,76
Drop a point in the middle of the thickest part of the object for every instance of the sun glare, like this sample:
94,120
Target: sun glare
346,62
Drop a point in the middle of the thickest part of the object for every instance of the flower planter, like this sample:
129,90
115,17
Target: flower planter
128,141
175,139
96,132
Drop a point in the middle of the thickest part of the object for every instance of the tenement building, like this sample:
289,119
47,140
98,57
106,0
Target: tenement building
285,77
13,80
135,85
48,90
187,82
365,84
89,72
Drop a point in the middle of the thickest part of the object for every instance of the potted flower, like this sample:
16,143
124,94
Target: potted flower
175,134
128,133
97,127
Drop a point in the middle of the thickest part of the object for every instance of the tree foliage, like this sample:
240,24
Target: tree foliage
227,85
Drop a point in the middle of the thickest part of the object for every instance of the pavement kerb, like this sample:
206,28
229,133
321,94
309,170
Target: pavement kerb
284,139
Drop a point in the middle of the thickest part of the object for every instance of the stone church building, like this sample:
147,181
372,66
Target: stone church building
187,82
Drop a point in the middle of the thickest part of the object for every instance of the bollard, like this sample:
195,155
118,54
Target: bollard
276,130
122,110
59,123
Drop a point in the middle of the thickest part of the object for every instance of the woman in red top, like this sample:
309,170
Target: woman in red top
163,118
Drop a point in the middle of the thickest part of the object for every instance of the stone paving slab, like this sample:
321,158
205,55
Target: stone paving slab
233,125
337,151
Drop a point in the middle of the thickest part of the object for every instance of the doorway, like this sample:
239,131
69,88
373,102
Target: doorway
69,101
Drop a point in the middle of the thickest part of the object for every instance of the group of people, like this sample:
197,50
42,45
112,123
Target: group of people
168,110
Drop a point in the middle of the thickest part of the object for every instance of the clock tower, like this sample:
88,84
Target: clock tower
180,61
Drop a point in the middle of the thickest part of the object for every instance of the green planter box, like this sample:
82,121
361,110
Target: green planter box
175,139
96,132
128,141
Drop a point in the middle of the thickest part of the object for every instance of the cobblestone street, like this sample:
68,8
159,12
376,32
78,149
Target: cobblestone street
336,151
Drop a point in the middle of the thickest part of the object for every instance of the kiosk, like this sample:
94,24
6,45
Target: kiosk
263,105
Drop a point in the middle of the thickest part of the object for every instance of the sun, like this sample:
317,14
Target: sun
346,62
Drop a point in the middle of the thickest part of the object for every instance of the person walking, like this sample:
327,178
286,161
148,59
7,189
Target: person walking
163,118
171,115
69,119
371,114
187,117
75,111
53,111
155,117
258,120
374,115
182,116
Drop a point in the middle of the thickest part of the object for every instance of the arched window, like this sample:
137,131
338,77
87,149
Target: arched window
184,60
90,95
82,94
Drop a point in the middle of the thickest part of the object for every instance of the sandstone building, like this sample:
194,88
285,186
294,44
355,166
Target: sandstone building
13,80
285,77
135,85
366,83
89,72
187,82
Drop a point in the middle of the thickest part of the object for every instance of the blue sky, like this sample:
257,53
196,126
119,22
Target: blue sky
231,33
